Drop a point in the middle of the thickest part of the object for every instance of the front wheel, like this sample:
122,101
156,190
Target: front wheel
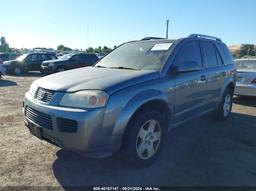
145,137
224,110
17,70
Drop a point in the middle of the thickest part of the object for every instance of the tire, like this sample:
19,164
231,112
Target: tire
224,110
60,69
17,70
144,138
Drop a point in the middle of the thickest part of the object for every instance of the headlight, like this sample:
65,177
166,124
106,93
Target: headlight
33,89
85,99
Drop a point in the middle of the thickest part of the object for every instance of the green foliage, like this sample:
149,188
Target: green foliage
63,48
99,50
4,47
90,50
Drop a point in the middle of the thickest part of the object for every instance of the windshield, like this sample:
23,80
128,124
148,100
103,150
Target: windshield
22,57
65,57
246,64
142,55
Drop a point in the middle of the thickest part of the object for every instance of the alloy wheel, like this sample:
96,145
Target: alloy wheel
148,139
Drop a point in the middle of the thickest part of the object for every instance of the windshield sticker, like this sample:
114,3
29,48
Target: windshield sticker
163,46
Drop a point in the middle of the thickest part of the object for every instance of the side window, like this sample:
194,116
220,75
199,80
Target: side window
84,58
91,58
32,58
225,54
210,54
218,56
76,57
189,52
52,57
42,57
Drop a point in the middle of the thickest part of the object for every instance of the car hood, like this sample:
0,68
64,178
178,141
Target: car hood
9,62
88,78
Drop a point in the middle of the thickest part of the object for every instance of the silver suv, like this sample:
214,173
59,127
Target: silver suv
130,99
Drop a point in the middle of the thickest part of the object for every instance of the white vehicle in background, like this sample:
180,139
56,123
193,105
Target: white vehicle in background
246,77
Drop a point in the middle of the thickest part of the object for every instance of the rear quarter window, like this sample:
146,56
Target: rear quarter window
225,54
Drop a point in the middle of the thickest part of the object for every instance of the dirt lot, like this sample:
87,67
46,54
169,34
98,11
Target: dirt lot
200,153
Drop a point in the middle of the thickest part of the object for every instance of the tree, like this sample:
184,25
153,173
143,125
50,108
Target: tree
60,47
90,50
3,41
106,50
63,48
245,50
4,47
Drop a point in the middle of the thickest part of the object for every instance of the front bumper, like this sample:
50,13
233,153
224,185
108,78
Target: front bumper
245,89
48,69
8,69
87,139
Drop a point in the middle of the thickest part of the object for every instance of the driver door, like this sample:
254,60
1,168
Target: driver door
31,62
190,86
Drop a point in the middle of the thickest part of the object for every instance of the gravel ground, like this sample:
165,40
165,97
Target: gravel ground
200,153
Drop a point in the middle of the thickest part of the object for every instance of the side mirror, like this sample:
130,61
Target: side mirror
187,66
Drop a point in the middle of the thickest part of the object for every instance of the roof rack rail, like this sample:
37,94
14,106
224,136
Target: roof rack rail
205,36
152,38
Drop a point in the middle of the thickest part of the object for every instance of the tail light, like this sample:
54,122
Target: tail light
254,81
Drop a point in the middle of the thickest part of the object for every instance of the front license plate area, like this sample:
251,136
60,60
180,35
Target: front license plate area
35,130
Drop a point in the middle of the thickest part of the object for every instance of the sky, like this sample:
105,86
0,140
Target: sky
83,23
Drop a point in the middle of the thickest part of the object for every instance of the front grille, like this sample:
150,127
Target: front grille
39,118
44,95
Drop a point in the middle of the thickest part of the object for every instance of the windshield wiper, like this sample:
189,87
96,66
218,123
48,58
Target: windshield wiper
99,66
122,67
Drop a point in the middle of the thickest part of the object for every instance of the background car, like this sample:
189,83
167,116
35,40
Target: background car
246,77
28,62
8,56
69,61
2,69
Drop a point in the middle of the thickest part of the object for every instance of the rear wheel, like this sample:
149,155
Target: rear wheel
224,110
145,137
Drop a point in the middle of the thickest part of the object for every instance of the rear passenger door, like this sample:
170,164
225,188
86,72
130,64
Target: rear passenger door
190,87
216,72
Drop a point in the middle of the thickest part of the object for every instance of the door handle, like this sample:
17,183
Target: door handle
203,78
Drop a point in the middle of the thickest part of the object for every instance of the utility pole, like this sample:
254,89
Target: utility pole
87,33
167,28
